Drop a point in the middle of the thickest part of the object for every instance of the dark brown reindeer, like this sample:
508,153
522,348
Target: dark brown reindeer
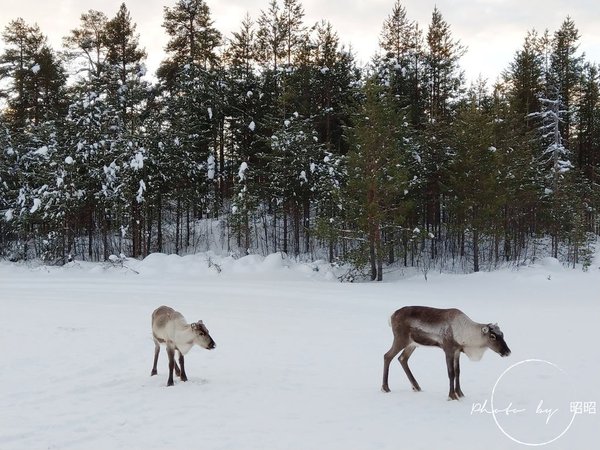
449,329
170,328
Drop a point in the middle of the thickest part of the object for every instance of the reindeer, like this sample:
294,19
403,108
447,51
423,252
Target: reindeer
449,329
170,328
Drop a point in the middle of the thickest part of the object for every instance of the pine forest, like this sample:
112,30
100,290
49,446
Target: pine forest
274,139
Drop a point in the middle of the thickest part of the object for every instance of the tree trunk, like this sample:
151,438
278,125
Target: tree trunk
475,250
390,243
246,234
379,252
372,257
187,230
159,236
105,226
405,247
307,226
285,231
148,232
91,235
135,229
330,250
296,216
223,177
177,226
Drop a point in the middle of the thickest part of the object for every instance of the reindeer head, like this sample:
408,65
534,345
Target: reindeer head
201,335
495,339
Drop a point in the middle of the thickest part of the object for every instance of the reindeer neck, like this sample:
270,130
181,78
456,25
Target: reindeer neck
184,338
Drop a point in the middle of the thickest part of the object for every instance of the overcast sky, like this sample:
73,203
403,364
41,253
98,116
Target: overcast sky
492,30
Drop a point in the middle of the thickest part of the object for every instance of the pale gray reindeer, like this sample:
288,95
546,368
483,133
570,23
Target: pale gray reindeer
170,328
449,329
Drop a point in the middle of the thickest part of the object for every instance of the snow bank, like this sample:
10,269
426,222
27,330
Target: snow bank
209,264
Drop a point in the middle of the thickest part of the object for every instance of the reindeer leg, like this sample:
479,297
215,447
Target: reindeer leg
156,352
397,346
171,354
183,376
404,363
457,374
451,375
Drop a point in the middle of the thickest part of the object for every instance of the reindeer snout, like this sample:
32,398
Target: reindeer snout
505,353
212,345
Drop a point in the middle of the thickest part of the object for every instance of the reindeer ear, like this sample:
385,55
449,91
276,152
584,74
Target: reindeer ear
485,330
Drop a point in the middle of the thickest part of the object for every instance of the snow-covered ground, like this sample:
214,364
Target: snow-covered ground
298,360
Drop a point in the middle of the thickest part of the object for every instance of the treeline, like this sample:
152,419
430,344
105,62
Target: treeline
275,138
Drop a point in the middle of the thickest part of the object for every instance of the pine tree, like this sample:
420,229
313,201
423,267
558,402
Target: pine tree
444,84
88,43
377,180
293,28
192,37
444,77
294,146
476,198
333,88
188,118
565,73
125,60
242,91
92,129
271,37
193,85
526,82
243,110
8,184
401,67
588,148
396,34
91,133
127,92
34,73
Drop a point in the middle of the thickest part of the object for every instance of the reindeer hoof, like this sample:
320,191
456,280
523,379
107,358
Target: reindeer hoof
416,389
184,378
460,394
170,383
452,396
154,372
385,388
